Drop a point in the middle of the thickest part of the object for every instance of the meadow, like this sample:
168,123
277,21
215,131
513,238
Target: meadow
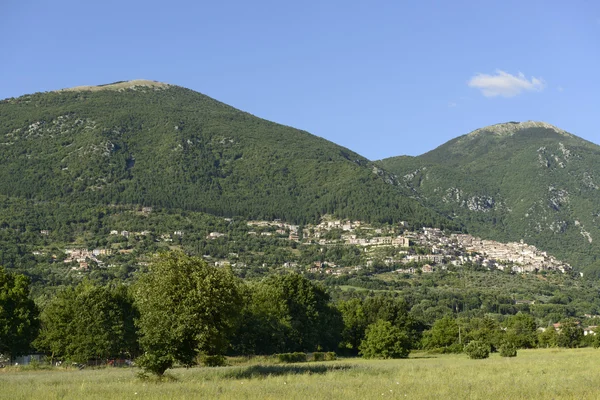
533,374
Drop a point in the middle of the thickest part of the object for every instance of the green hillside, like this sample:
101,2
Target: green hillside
514,181
149,143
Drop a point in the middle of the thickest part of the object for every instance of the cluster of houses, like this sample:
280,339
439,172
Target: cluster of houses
281,228
437,249
83,257
459,249
587,330
425,251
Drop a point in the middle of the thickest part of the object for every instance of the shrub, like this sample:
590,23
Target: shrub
384,340
508,350
154,363
320,356
477,349
212,361
291,357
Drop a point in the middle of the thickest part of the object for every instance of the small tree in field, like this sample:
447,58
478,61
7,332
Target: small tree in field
477,349
384,340
186,308
508,349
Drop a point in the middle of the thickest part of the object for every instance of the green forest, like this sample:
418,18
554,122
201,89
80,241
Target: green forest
182,311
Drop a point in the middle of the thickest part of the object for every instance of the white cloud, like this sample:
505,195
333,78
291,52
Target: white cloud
504,84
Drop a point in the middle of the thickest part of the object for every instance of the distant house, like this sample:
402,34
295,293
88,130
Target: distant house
427,268
529,302
401,241
294,237
590,330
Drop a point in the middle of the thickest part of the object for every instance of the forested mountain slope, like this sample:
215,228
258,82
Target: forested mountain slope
513,181
149,143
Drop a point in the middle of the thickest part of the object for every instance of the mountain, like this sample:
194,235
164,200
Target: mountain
155,144
513,181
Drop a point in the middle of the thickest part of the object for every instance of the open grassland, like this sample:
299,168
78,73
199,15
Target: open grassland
534,374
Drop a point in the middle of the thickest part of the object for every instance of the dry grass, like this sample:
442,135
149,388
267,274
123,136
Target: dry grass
556,374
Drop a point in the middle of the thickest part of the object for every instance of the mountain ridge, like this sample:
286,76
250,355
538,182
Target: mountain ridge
155,144
515,181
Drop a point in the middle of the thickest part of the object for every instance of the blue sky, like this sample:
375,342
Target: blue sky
382,78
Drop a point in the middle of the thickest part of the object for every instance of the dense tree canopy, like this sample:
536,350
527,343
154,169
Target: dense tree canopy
186,308
89,322
18,314
359,314
289,313
384,340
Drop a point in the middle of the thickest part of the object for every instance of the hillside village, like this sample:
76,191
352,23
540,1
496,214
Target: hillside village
431,248
396,247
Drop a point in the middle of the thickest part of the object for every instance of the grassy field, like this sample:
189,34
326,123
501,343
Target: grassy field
533,374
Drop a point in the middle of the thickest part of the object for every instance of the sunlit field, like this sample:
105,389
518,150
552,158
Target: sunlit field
551,373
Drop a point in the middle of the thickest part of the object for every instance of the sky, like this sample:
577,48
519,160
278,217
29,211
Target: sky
382,78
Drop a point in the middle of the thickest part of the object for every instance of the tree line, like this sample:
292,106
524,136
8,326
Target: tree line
182,310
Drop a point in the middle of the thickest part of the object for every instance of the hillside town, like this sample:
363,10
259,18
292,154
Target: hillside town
437,248
408,251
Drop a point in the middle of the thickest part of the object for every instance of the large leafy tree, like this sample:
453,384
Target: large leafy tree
384,340
18,314
358,314
186,307
570,333
89,322
288,313
521,330
444,334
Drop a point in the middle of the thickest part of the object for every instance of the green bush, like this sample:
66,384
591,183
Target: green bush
154,363
320,356
213,361
477,349
508,350
455,348
291,357
384,340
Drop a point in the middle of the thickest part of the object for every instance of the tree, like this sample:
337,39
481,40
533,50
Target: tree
521,330
444,334
486,330
570,334
89,322
186,307
477,349
18,314
288,313
359,314
355,324
548,337
384,340
508,349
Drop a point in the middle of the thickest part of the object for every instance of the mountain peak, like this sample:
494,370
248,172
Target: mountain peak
511,128
120,85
